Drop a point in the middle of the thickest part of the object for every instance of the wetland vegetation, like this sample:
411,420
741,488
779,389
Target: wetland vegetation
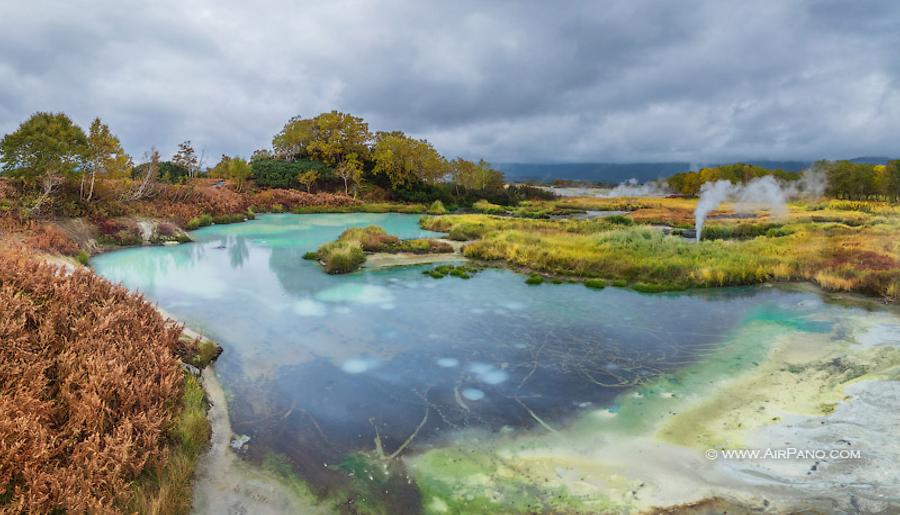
584,332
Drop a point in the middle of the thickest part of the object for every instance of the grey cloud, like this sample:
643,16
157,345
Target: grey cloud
520,81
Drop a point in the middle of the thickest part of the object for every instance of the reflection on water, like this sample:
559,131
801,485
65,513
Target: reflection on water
316,365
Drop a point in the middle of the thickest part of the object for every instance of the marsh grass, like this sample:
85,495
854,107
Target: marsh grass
167,490
348,252
437,208
838,250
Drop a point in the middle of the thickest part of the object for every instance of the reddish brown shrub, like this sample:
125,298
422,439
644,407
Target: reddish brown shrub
109,227
89,384
165,229
49,238
180,203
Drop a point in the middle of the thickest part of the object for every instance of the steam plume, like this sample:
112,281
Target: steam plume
632,188
760,193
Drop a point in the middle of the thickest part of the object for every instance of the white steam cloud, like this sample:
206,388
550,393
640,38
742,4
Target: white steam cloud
760,193
633,188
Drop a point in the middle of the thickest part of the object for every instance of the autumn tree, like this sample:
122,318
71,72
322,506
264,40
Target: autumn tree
407,161
291,142
307,179
43,151
475,176
105,155
350,171
234,169
329,138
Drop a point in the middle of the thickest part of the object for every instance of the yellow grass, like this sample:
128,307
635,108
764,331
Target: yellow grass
839,249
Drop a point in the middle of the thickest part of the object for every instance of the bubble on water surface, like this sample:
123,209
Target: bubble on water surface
358,365
488,373
447,362
310,308
494,377
358,294
480,368
473,394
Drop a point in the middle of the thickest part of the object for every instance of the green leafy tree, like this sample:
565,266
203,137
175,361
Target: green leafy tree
104,155
892,180
307,179
850,180
274,173
43,151
407,161
45,142
234,169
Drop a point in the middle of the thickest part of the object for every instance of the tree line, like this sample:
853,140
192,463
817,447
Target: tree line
845,179
333,152
330,152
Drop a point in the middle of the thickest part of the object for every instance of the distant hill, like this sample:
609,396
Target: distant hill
614,173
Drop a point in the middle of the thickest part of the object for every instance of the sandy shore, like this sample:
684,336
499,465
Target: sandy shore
225,484
385,259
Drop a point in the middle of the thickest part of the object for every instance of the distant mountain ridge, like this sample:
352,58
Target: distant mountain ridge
618,172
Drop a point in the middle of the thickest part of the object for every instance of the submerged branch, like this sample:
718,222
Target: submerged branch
379,447
534,416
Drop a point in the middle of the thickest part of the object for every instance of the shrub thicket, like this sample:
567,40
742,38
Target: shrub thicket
273,173
89,387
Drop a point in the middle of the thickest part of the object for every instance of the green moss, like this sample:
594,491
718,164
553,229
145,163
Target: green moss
205,353
82,257
827,408
597,284
199,221
460,271
311,256
459,481
534,279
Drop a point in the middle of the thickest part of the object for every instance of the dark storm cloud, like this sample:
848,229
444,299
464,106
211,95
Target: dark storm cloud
545,81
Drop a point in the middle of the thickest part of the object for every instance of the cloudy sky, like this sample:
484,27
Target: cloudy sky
508,81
